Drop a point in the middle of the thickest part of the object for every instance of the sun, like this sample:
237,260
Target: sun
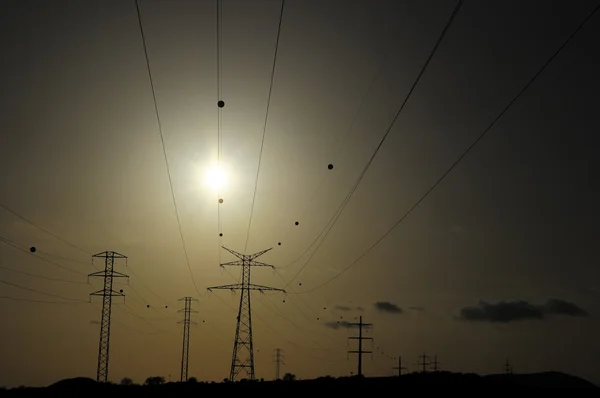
215,177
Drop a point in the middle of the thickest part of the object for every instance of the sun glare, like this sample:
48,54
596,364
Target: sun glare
216,177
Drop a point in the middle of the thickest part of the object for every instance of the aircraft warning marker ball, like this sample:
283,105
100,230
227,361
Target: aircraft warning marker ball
296,223
220,200
32,249
330,166
221,104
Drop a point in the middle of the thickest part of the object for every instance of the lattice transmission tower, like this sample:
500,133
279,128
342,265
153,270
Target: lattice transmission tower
243,350
361,325
187,321
107,294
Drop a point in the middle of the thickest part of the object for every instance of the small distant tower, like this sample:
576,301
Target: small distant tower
424,363
399,368
508,369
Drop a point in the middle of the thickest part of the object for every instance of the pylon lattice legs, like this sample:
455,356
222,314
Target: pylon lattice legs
242,361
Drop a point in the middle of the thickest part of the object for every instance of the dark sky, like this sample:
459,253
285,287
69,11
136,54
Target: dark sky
497,262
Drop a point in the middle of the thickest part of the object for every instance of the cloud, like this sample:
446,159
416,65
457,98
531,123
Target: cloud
346,308
561,307
511,311
385,306
337,324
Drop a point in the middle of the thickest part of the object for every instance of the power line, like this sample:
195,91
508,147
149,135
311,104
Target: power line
162,140
30,253
466,152
220,105
262,144
342,142
42,229
40,292
3,297
40,276
346,200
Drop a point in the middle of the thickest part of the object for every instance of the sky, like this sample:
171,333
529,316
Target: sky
495,263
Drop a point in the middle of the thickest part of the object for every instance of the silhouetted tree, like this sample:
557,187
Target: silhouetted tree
154,381
289,377
126,381
192,380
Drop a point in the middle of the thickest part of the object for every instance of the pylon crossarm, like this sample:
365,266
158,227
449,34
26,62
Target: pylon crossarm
259,264
238,255
111,293
255,255
262,288
225,287
233,263
110,254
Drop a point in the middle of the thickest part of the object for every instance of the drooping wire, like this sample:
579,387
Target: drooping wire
346,200
18,247
219,123
262,145
43,229
162,140
340,145
41,292
465,153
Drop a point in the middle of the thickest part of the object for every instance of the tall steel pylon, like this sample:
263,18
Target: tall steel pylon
360,339
278,362
243,350
107,294
187,312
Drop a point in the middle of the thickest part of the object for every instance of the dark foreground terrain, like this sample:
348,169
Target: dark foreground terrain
375,385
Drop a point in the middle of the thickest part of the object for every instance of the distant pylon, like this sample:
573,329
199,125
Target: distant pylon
424,362
187,311
435,365
107,294
243,350
278,362
399,368
508,369
360,339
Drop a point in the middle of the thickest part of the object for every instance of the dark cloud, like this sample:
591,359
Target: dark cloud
346,308
337,324
386,306
561,307
511,311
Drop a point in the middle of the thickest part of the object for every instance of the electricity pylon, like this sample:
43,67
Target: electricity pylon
399,368
278,362
243,350
435,365
187,311
424,362
360,339
107,294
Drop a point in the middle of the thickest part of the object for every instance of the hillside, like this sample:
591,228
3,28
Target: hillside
349,384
